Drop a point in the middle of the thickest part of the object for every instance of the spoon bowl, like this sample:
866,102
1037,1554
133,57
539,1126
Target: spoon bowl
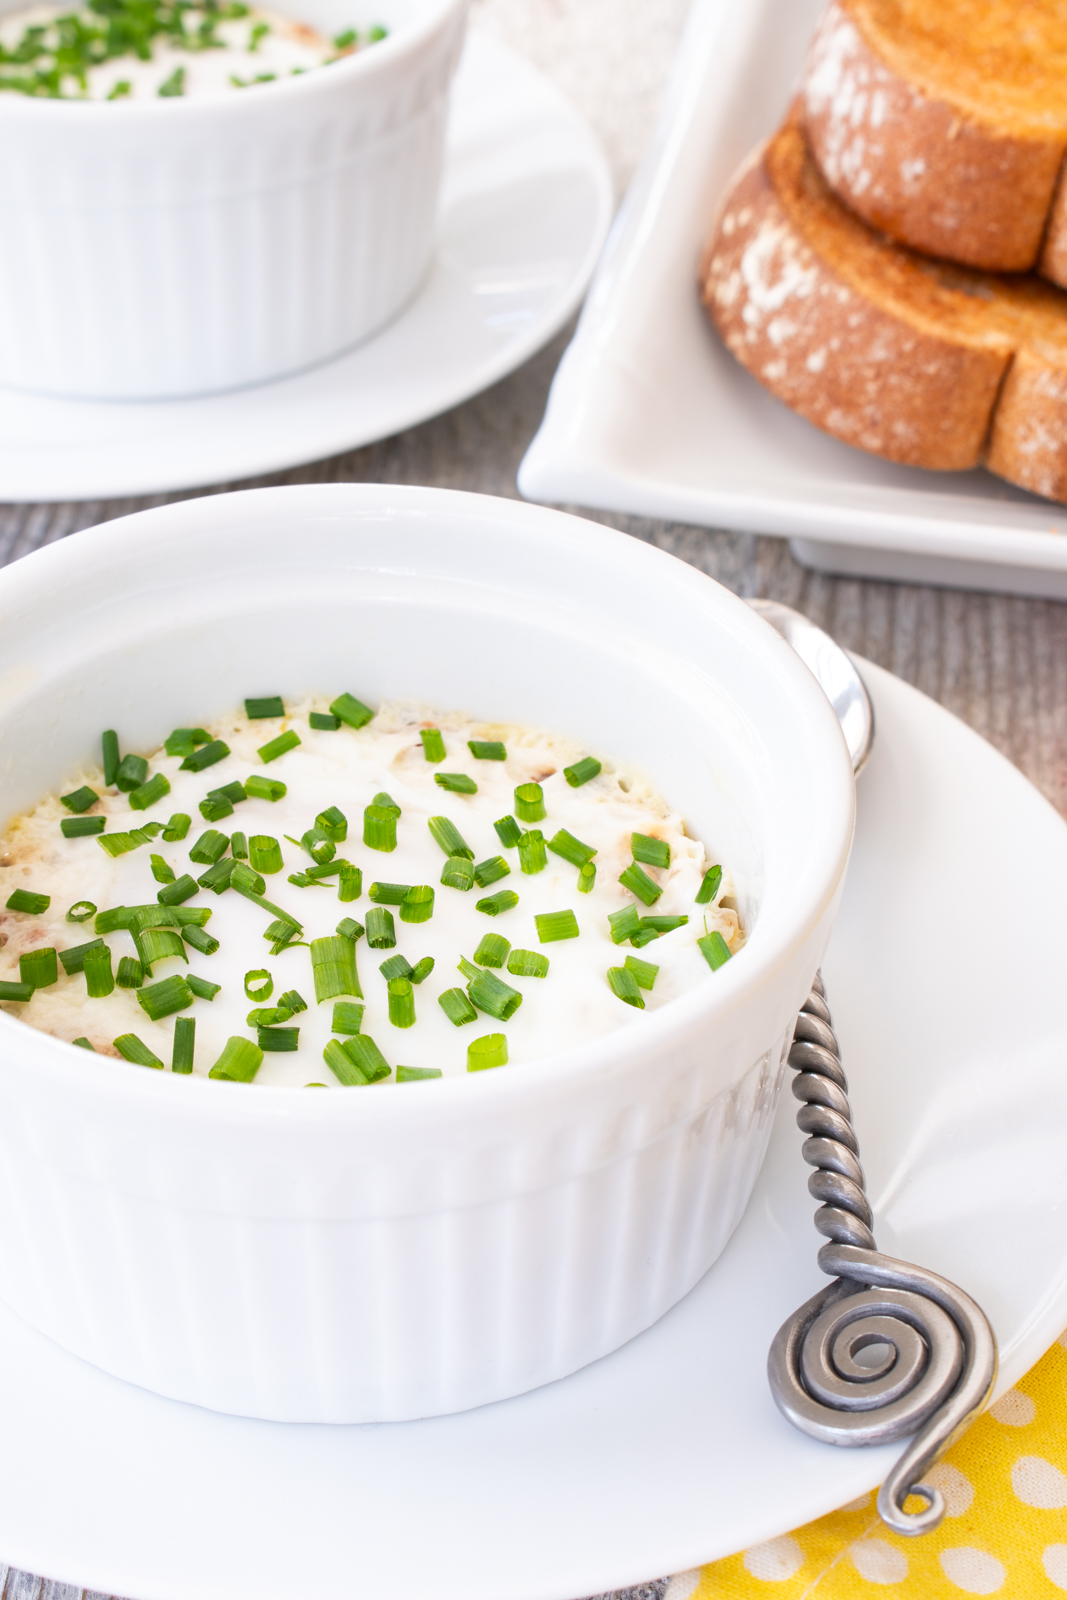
835,671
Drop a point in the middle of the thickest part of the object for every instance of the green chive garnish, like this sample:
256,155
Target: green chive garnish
239,1061
162,871
202,989
388,894
99,979
133,1049
325,721
493,950
130,974
73,960
114,919
349,928
113,844
490,871
554,925
456,1007
159,944
132,772
653,852
416,1074
709,886
582,771
351,710
458,873
347,1016
258,787
587,878
148,793
206,756
493,996
624,986
508,832
259,985
80,799
422,969
357,1062
110,742
82,827
319,845
268,1016
660,925
417,904
26,900
239,846
277,747
494,904
183,741
279,1040
644,971
714,949
489,1051
487,750
281,934
215,807
218,877
532,857
210,847
182,1055
448,836
379,827
401,1003
22,991
644,936
83,1044
39,967
350,883
200,939
456,782
571,849
529,802
527,964
637,880
333,823
333,967
381,929
269,706
264,853
177,827
326,869
81,911
433,744
292,1002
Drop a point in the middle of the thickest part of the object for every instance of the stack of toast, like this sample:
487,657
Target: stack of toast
889,264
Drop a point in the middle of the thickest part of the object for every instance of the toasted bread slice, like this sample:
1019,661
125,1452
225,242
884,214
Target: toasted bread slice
944,124
909,358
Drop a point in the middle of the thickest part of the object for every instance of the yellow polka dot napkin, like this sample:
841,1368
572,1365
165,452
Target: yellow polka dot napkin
1004,1533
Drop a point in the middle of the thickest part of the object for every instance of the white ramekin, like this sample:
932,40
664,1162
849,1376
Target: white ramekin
172,247
403,1252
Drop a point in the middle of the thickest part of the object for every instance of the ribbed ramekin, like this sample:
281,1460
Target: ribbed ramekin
409,1251
171,247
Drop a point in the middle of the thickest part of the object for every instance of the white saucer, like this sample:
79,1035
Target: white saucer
526,205
945,978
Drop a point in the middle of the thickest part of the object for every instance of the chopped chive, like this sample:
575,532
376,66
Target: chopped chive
110,921
99,979
182,1054
277,747
528,964
494,904
157,916
83,1044
468,969
239,1062
381,929
264,853
177,827
529,802
218,877
532,857
388,894
304,880
422,969
325,721
234,792
357,1062
455,782
186,915
133,1049
200,939
278,1040
487,750
456,1007
660,925
39,967
183,741
201,987
350,883
653,852
491,1050
148,793
268,1016
73,960
281,934
239,846
582,771
417,904
326,869
206,756
162,871
130,974
113,844
587,878
448,836
17,991
347,1016
159,944
259,985
416,1074
709,886
508,831
210,847
645,972
292,1001
379,827
333,967
81,911
349,928
268,706
624,986
334,824
319,846
110,743
458,873
79,799
26,900
490,871
339,1064
714,949
493,996
433,744
395,967
493,950
644,936
131,774
82,827
351,710
259,787
383,799
571,849
401,1003
554,925
215,807
637,880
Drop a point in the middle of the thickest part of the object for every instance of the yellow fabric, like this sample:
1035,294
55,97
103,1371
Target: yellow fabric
1005,1531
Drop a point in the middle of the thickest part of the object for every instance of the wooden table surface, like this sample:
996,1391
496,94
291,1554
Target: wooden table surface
998,662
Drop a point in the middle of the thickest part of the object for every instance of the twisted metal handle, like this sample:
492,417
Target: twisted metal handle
941,1359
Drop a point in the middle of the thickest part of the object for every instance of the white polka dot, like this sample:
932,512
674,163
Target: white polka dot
859,1504
1054,1561
1014,1409
774,1561
973,1571
1038,1483
683,1585
957,1490
878,1562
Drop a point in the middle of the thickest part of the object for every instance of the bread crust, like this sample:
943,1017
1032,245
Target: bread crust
1028,443
925,170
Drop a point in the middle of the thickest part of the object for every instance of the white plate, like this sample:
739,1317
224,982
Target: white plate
526,204
649,414
945,976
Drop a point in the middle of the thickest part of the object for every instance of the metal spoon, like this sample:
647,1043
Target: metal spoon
841,683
